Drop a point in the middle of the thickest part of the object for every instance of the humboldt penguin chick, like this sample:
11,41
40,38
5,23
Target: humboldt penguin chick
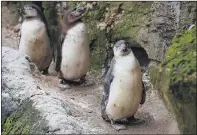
73,54
123,88
35,41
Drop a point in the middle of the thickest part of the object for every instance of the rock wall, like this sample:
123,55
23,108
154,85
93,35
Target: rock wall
150,25
16,76
26,107
175,79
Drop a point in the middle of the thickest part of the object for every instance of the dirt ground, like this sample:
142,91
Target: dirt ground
87,100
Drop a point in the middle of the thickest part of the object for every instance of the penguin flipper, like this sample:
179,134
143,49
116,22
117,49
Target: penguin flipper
105,95
59,53
143,94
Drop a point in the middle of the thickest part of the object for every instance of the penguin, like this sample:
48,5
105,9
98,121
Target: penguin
73,53
123,90
35,38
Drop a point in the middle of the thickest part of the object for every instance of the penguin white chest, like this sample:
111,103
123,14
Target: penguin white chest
126,88
35,43
75,53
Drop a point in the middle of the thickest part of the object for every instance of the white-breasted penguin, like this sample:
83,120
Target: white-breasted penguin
73,53
35,38
123,88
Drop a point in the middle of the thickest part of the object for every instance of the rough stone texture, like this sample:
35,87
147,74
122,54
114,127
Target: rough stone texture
150,25
17,81
168,18
26,107
187,14
50,13
158,35
175,79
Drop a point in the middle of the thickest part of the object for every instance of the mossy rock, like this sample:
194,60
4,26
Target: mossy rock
135,12
175,79
25,120
136,16
50,12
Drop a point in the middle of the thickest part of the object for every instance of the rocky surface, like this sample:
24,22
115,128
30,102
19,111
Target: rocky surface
16,74
26,106
150,25
175,79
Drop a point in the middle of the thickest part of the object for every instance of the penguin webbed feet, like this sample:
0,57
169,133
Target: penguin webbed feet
82,80
63,84
122,124
104,115
134,121
45,72
118,126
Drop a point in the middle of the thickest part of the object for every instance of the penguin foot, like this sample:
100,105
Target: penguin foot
132,120
119,127
63,85
87,84
45,72
104,116
82,80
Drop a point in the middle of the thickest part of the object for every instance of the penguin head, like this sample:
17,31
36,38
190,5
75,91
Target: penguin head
121,48
73,15
31,11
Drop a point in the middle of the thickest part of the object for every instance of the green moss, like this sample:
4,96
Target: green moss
181,55
24,121
175,80
134,19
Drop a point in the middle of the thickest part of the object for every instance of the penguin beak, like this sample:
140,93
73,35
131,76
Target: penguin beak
81,10
77,13
124,49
